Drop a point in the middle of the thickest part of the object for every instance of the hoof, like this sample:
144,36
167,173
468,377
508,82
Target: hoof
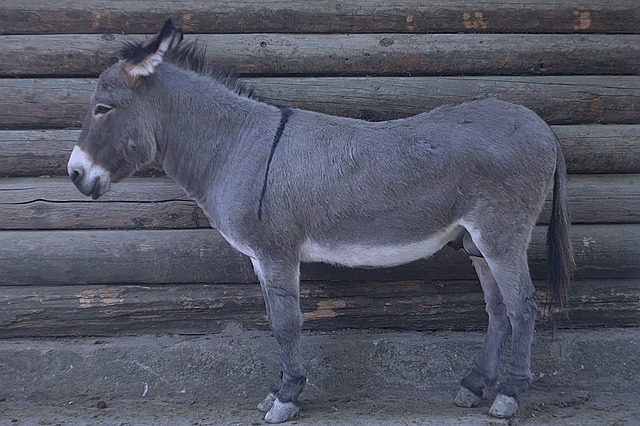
503,407
267,403
281,412
466,398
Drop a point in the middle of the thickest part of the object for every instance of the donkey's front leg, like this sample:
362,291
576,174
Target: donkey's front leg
280,286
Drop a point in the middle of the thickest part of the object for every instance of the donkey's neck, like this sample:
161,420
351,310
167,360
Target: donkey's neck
204,124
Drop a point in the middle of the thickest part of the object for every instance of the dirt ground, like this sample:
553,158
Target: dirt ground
354,378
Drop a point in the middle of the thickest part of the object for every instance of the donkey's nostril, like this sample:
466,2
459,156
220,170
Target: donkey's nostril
76,175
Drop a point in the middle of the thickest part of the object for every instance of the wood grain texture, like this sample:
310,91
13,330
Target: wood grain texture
558,100
117,310
202,256
54,203
600,149
44,103
62,103
344,54
321,16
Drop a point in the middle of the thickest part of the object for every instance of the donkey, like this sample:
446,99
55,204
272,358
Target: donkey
285,185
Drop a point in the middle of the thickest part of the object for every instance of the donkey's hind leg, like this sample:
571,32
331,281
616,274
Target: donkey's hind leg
520,302
484,372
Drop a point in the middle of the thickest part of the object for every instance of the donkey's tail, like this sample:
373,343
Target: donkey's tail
559,248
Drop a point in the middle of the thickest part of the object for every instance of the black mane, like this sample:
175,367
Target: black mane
191,56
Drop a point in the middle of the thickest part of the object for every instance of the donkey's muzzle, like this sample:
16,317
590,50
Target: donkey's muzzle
90,179
88,187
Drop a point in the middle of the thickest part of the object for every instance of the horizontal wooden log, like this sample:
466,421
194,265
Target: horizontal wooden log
36,152
105,310
44,103
600,149
559,100
587,149
144,203
28,103
325,16
590,195
345,54
54,203
202,256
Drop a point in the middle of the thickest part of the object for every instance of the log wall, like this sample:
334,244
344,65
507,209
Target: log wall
143,259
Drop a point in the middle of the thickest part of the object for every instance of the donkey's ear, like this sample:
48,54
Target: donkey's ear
141,60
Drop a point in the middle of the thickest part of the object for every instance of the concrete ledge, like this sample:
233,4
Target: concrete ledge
389,377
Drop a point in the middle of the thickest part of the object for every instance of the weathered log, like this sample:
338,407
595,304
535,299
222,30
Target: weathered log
591,195
54,203
35,152
345,54
587,149
600,149
44,103
146,203
326,16
202,256
60,103
559,100
108,310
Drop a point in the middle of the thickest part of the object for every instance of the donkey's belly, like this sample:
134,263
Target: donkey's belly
373,255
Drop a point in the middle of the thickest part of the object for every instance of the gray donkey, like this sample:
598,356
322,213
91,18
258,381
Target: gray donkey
286,185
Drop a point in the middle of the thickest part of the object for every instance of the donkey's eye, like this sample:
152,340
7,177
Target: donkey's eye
101,109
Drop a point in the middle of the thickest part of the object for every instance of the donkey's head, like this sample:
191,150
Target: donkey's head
118,132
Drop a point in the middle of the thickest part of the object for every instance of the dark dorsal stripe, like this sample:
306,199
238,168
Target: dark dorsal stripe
286,112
